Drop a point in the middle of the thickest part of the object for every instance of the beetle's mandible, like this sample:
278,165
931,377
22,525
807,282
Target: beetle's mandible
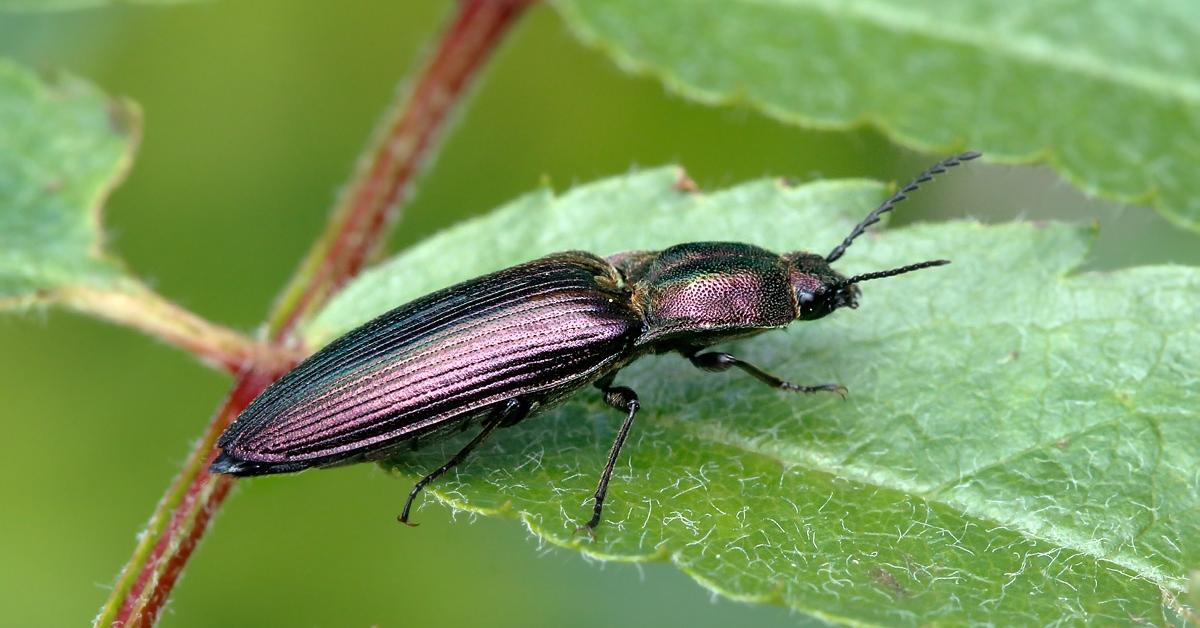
495,350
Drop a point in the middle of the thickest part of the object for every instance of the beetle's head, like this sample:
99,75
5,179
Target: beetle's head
820,289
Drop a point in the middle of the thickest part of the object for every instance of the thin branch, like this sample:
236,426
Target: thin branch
134,305
357,227
178,521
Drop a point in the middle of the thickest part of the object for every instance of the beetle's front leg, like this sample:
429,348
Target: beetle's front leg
717,361
624,399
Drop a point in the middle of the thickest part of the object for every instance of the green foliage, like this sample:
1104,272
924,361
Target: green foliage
64,147
1018,445
1107,92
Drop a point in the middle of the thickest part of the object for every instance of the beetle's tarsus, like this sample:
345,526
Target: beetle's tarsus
588,528
833,388
597,510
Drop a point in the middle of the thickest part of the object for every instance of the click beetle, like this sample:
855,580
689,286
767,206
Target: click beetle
492,351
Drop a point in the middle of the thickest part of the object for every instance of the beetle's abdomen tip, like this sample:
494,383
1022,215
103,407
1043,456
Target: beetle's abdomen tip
230,464
227,464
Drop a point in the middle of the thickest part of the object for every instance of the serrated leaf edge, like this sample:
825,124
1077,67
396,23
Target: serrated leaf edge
1150,196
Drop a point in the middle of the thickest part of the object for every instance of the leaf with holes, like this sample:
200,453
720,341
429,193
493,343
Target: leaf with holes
1018,445
1107,92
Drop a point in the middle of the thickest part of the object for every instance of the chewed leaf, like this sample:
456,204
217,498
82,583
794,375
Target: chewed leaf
1106,92
1018,445
64,147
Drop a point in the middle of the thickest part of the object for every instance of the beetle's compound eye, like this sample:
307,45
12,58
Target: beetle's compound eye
817,303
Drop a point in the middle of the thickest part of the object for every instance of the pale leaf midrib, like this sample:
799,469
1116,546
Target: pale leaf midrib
1140,567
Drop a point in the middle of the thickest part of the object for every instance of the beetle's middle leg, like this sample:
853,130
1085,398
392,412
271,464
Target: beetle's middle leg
717,361
624,399
507,413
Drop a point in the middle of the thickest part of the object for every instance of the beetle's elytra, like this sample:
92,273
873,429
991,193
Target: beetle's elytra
495,350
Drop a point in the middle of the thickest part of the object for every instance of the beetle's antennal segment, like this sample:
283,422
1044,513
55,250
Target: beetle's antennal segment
895,271
895,199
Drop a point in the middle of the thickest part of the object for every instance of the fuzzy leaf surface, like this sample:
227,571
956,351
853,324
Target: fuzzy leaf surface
63,148
1106,92
1018,445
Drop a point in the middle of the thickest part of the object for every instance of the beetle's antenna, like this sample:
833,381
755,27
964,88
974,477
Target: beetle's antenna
895,271
895,199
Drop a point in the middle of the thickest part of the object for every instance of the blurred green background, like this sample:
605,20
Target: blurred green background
254,113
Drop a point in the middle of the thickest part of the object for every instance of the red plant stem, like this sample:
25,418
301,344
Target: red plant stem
357,226
188,506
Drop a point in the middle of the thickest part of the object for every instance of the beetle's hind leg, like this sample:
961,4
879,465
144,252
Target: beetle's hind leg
507,413
626,400
717,361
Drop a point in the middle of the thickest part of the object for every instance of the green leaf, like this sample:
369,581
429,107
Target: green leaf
1018,445
1107,92
65,146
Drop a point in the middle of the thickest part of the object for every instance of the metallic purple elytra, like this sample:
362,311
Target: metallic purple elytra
497,349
